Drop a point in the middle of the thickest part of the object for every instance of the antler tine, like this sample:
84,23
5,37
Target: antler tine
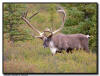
23,14
26,13
28,23
61,10
34,14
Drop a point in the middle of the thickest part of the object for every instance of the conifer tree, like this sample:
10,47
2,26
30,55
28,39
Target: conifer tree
12,22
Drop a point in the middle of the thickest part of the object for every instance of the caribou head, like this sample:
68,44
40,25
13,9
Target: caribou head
42,35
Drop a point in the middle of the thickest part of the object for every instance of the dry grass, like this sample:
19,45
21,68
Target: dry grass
31,57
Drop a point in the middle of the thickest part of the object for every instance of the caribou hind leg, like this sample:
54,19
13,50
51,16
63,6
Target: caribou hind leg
69,50
85,45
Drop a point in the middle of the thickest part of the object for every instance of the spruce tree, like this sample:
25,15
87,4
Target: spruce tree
12,22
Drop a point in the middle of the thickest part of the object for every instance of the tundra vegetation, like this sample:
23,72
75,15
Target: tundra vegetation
23,53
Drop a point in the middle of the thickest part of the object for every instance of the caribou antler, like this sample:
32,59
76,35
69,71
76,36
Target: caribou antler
28,23
61,10
34,15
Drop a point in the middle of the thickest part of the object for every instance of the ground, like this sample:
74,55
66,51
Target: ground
31,57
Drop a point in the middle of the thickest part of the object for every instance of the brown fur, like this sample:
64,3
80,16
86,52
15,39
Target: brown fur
70,42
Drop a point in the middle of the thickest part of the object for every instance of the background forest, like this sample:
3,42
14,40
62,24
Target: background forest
25,54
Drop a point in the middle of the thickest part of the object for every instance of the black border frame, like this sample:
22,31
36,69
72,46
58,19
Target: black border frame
97,53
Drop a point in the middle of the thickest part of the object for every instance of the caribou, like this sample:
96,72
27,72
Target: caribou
59,42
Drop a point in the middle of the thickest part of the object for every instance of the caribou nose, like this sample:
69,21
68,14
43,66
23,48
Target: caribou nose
44,46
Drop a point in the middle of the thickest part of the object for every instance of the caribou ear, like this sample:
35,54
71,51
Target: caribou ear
50,35
39,37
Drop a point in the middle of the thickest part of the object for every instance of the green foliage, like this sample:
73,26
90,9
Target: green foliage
12,22
74,16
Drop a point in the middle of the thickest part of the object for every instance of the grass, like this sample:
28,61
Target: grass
31,57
